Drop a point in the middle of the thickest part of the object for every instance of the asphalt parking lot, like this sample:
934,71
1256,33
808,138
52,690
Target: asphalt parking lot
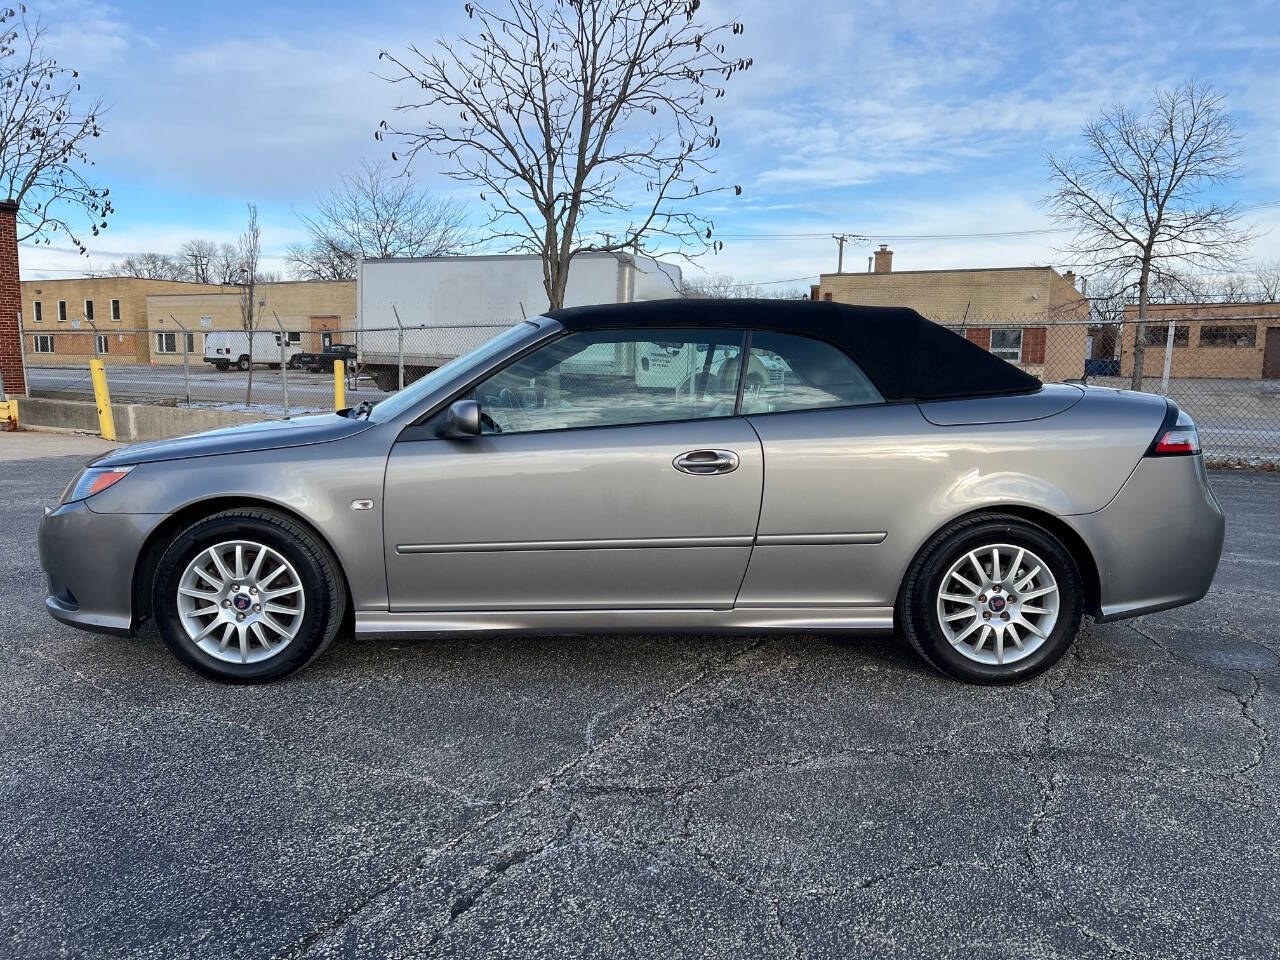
645,796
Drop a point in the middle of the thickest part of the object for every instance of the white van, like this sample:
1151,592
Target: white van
231,348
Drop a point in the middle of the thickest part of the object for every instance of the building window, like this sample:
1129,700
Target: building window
62,311
169,343
1156,335
115,309
44,343
88,310
1229,335
102,343
1007,344
39,311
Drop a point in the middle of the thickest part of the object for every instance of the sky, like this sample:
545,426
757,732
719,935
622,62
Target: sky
918,124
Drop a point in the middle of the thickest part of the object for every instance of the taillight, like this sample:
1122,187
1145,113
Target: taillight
1177,436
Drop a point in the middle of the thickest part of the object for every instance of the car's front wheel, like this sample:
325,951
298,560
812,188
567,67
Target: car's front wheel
992,599
247,596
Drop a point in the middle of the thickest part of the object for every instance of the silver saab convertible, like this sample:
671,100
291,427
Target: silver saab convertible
680,465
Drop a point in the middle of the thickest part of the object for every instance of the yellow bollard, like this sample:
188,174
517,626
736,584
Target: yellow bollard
339,385
106,422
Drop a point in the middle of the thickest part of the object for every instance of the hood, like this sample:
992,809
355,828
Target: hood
242,438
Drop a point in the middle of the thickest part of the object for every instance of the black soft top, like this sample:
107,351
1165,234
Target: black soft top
906,356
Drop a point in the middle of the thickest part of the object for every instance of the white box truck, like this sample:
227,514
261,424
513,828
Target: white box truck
450,305
231,348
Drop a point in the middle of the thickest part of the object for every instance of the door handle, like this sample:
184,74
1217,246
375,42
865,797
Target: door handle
706,462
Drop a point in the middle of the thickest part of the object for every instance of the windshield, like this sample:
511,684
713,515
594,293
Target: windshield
398,403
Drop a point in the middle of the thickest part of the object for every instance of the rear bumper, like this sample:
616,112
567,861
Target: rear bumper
89,559
1157,544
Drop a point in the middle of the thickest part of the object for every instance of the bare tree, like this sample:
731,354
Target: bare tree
374,213
44,138
249,255
725,286
224,268
1136,196
575,117
199,256
150,266
1266,279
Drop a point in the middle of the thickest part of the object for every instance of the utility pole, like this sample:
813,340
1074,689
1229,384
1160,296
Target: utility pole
840,240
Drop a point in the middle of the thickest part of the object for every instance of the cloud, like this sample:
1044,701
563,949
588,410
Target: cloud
927,117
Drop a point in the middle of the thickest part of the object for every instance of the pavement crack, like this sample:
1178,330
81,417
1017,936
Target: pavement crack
407,873
1045,801
72,672
1247,702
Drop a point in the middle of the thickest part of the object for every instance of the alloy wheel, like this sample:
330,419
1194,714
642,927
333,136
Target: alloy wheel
997,604
240,601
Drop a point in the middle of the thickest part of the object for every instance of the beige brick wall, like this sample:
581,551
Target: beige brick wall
1003,295
123,346
1195,359
1028,297
309,306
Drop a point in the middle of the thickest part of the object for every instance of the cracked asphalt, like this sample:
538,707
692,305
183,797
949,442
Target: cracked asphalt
646,796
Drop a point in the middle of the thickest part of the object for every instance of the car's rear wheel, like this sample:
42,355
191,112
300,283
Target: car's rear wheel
247,596
242,363
992,599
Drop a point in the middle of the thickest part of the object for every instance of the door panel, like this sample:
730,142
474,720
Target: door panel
850,495
569,519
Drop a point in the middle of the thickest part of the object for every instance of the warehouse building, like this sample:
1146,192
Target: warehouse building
1032,316
129,320
1234,341
314,313
67,321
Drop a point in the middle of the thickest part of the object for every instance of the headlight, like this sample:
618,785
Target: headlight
93,480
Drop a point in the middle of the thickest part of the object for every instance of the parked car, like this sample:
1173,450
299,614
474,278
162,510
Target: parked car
236,348
322,361
884,474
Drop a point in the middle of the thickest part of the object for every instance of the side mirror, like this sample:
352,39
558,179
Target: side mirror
461,421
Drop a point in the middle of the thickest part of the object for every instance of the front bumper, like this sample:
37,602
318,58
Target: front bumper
89,559
1157,544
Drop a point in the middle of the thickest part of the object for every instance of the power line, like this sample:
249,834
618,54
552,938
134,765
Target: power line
872,235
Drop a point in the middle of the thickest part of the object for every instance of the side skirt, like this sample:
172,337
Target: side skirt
868,619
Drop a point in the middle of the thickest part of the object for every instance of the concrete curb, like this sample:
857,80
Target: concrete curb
134,421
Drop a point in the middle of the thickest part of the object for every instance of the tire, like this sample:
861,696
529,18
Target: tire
242,364
944,633
386,379
314,608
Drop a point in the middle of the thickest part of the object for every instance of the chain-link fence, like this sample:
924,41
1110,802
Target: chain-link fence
274,372
1224,372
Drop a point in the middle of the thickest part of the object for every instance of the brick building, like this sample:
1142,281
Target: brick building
1032,316
140,321
1237,341
11,372
313,310
117,307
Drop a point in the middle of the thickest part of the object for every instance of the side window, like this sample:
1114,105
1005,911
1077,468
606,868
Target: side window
786,372
608,378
